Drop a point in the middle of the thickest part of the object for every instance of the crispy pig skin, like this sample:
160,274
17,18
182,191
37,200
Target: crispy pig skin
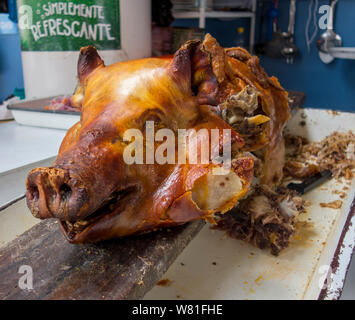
97,196
235,69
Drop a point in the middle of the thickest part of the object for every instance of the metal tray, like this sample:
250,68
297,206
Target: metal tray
216,267
33,113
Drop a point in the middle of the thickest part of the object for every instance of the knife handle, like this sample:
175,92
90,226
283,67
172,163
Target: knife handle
310,182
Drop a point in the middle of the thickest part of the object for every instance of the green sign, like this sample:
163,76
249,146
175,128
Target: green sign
47,25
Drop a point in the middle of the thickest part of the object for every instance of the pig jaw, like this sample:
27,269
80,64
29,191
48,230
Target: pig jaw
132,212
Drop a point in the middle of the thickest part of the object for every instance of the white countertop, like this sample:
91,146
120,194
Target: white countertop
22,145
21,149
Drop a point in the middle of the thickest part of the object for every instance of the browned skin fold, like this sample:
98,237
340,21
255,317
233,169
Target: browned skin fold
235,69
97,196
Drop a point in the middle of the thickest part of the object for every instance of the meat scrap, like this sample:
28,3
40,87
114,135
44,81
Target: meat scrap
266,218
336,152
341,194
333,205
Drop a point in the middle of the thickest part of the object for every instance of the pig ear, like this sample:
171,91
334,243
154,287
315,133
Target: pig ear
191,66
89,60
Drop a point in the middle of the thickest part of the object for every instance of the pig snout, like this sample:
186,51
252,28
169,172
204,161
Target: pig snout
52,193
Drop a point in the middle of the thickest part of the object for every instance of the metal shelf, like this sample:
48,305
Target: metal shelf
186,14
212,14
202,14
226,14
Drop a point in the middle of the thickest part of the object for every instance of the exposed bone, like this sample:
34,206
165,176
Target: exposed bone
212,192
258,119
245,101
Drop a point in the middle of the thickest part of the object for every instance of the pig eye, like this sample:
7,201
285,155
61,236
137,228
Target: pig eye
155,115
158,123
194,90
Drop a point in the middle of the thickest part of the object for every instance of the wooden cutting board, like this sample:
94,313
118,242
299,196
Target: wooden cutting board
120,269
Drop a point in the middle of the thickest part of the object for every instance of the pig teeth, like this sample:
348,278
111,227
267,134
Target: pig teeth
76,226
69,225
80,223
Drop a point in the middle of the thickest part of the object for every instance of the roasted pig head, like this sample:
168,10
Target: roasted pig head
97,194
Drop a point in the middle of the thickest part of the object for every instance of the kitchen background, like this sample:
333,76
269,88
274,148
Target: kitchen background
326,85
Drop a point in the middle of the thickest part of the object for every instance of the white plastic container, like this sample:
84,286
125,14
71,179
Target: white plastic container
50,73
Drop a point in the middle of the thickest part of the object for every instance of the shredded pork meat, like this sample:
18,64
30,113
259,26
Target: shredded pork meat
336,152
267,217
